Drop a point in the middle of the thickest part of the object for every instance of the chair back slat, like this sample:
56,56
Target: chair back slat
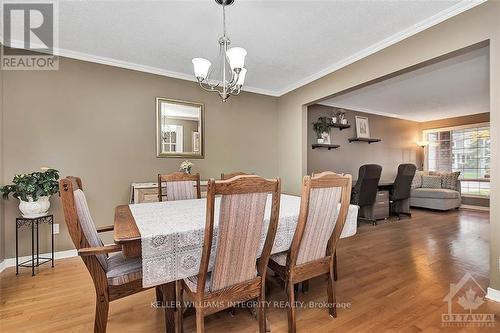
77,216
241,221
320,219
241,217
87,225
179,186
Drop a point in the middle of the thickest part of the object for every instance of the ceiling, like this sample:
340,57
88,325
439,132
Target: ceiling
289,43
451,88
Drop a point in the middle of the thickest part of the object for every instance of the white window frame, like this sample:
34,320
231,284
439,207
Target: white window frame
451,128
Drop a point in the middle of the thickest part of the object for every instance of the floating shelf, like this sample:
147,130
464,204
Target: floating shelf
324,145
369,140
340,126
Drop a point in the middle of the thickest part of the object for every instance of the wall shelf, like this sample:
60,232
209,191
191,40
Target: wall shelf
324,145
369,140
340,126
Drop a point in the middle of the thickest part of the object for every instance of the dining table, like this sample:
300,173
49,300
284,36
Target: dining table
168,237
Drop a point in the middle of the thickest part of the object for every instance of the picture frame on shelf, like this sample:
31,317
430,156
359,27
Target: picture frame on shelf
362,127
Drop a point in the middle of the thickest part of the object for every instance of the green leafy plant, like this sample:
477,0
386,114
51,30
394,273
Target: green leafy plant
33,185
322,125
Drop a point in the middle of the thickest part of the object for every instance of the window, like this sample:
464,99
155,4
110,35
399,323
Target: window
464,149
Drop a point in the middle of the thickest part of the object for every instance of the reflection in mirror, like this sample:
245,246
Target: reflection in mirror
179,128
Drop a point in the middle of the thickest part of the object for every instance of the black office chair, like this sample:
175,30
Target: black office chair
364,192
400,192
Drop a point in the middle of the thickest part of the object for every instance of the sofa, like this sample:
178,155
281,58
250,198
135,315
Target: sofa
440,191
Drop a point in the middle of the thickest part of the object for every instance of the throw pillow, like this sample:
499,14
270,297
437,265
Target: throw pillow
417,179
431,181
449,180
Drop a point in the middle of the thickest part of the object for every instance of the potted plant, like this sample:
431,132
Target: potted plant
186,166
322,129
33,191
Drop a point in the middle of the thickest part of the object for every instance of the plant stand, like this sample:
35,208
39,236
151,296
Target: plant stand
35,261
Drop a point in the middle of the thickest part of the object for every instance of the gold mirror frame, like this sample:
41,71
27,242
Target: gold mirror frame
159,152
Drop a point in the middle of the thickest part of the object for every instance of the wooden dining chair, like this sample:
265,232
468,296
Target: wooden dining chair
179,186
313,245
114,275
235,276
226,176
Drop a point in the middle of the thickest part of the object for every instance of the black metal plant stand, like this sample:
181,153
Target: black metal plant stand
35,261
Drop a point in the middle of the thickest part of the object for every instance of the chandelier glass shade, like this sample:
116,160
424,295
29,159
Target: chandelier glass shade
228,76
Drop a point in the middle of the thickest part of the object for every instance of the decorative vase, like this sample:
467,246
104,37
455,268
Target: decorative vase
32,209
344,121
334,120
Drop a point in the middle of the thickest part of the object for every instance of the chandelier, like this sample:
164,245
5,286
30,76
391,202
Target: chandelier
229,76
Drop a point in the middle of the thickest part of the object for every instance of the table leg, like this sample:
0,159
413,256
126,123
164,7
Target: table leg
37,247
169,300
32,248
52,246
17,250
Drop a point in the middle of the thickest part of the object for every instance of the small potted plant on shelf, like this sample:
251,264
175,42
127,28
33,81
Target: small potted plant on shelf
186,166
33,191
322,128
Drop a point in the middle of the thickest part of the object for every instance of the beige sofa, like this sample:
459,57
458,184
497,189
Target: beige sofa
435,198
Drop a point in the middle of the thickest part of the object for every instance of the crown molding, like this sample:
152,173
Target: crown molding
369,111
413,30
460,7
131,66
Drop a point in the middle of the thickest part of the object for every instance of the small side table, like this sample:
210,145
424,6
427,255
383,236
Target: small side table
35,261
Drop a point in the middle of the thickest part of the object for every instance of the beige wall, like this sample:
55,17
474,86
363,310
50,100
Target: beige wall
398,144
474,26
2,224
98,122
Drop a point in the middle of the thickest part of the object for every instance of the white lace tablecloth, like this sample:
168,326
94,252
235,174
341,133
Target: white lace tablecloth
172,235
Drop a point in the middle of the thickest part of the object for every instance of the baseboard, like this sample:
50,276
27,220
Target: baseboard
471,207
11,262
493,294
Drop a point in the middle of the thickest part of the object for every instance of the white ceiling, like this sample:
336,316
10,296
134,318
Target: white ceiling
455,87
289,43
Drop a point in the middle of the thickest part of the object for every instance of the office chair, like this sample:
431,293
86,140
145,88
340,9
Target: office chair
364,192
400,193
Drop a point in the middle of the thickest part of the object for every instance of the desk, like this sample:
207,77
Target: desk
381,208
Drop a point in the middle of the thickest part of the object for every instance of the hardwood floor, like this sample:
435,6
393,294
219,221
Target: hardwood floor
394,276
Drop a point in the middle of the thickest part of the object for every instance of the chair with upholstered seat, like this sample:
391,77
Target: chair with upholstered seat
318,230
114,275
226,176
235,276
179,186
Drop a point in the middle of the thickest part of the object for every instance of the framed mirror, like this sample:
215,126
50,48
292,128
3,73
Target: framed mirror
179,128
